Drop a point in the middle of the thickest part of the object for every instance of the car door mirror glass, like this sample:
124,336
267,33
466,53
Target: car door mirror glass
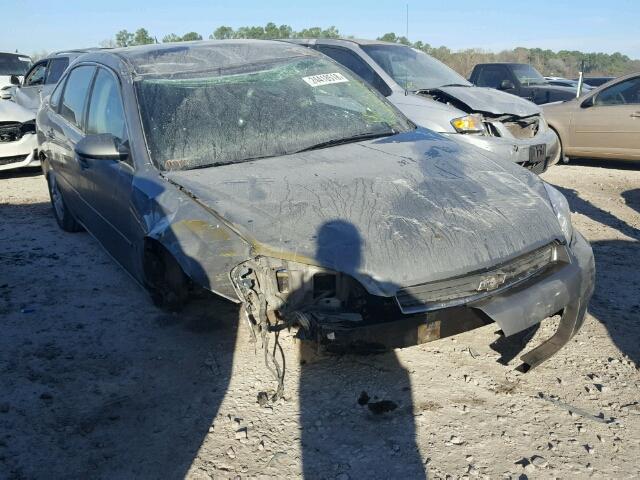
103,146
506,85
14,80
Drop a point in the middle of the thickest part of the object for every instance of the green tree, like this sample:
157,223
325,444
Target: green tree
388,37
172,37
142,37
191,36
285,31
222,33
271,30
124,38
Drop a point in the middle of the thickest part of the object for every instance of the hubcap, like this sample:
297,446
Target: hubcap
56,198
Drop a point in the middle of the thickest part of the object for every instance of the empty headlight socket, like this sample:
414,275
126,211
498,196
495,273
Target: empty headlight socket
324,285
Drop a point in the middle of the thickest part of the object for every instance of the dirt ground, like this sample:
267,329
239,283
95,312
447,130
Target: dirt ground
95,382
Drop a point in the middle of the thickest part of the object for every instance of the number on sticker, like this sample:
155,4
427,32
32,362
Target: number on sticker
325,79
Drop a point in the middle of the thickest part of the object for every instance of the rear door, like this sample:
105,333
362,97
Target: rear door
611,126
66,131
108,183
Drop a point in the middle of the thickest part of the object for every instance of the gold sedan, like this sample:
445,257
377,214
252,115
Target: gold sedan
603,123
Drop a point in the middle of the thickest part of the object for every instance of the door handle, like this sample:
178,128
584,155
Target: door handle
50,133
635,115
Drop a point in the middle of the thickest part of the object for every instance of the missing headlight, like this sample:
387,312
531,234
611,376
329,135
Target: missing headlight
324,285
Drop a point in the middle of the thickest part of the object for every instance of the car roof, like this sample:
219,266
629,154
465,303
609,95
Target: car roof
204,55
338,41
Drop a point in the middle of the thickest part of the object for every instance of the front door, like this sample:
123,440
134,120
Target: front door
610,126
107,184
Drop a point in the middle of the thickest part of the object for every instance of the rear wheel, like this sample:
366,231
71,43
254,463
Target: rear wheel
64,217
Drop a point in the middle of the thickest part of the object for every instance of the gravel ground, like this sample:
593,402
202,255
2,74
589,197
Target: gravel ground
95,382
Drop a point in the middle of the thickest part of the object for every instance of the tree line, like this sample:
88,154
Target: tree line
564,63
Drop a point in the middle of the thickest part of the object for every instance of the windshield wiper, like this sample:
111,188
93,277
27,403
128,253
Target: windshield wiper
342,141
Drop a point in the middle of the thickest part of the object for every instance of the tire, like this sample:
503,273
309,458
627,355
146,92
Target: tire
64,217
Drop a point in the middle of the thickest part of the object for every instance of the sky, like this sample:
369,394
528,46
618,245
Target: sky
587,25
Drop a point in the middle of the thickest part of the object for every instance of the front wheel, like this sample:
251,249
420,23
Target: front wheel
64,217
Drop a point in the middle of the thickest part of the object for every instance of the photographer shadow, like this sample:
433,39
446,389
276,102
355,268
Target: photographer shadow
356,412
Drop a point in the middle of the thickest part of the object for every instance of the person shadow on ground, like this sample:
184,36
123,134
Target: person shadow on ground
356,412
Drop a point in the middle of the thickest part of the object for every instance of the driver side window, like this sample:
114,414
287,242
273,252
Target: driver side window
106,114
36,75
623,93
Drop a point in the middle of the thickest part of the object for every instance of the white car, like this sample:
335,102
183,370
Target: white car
17,137
17,116
11,64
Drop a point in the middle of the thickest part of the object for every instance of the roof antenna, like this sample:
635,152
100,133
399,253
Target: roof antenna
406,78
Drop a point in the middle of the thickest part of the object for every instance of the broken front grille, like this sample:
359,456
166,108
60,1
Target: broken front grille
523,127
13,131
473,286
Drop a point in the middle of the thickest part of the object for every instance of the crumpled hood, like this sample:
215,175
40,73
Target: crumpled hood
12,112
423,208
489,100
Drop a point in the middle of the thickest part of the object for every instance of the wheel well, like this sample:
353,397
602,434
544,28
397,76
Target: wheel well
555,130
164,277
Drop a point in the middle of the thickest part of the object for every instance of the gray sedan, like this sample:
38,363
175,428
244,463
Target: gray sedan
268,174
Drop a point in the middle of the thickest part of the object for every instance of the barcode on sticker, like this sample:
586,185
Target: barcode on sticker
325,79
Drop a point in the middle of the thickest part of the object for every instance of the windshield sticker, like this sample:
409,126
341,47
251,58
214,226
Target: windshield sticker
325,79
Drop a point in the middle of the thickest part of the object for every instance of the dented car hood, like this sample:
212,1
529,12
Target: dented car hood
489,100
424,208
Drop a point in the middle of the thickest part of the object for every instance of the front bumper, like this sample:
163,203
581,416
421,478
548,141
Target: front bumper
566,288
517,150
18,154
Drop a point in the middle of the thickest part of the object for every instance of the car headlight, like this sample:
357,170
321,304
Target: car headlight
468,124
561,208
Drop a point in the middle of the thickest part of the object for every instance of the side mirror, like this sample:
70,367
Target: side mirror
103,146
588,102
14,80
506,85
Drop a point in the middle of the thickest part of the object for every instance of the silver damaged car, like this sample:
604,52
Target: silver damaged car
436,97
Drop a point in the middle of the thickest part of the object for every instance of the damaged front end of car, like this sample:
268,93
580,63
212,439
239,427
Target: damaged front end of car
334,313
508,127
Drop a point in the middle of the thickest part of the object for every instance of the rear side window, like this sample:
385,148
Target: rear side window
105,107
57,66
75,94
491,77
